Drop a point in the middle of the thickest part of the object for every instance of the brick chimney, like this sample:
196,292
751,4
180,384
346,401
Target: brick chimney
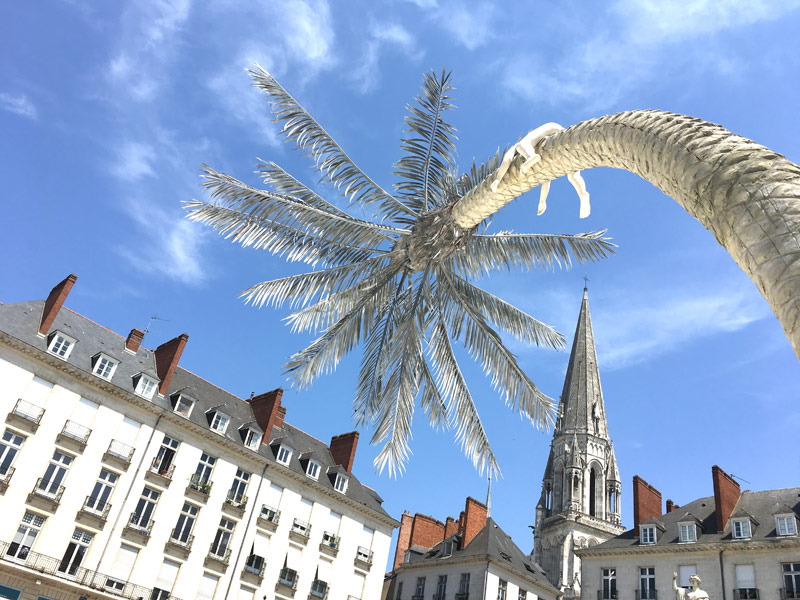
646,501
54,302
167,356
268,411
426,531
343,449
403,538
726,495
450,527
670,506
474,519
134,340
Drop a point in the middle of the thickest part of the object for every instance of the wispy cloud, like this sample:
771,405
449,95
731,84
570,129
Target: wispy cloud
382,37
19,104
639,40
134,161
469,24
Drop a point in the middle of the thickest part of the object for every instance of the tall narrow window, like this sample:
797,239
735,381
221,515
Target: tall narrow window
441,587
785,524
202,474
592,492
791,580
522,594
647,583
222,541
463,585
502,589
420,591
609,583
237,494
162,463
183,528
687,532
746,583
9,447
399,594
54,475
101,492
76,550
145,507
26,534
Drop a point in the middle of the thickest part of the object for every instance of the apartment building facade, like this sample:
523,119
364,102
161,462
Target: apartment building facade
124,475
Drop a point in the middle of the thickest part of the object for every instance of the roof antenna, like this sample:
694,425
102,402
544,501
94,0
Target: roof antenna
740,478
150,322
489,495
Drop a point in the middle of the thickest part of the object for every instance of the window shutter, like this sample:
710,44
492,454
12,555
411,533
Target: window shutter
127,432
304,510
685,572
167,575
123,563
38,391
208,585
365,538
294,558
84,412
261,545
325,571
358,584
745,576
245,593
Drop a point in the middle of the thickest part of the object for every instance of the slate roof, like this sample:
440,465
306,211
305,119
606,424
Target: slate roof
21,321
490,541
762,506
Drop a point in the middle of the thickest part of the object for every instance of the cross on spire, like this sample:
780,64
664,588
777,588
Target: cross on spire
585,282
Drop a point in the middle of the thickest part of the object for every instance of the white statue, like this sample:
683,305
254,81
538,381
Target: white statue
693,594
526,147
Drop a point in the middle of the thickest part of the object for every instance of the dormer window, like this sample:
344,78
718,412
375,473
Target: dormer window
447,550
182,405
252,439
104,366
312,469
284,454
786,524
218,421
687,532
340,483
647,534
144,386
60,345
740,528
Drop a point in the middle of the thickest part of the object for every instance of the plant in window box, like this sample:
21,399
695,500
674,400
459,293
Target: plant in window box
330,539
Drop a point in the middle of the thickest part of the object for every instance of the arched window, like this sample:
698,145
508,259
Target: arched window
558,487
592,492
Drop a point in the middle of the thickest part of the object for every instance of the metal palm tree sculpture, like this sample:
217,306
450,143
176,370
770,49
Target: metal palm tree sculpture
399,286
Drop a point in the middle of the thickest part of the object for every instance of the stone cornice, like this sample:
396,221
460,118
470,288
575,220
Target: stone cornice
727,546
255,460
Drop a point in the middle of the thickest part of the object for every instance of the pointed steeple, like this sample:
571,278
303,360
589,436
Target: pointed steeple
612,471
582,398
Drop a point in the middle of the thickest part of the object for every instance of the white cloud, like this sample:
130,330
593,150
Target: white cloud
165,17
382,36
19,104
632,44
307,30
470,24
134,161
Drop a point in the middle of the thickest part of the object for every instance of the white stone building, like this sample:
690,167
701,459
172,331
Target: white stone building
743,545
580,501
124,475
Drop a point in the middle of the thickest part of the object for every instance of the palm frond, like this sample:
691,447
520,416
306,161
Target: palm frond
485,346
508,317
505,250
336,166
279,239
430,154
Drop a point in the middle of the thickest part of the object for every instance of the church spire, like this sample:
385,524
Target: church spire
582,405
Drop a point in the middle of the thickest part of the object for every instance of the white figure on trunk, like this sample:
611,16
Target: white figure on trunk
695,593
526,147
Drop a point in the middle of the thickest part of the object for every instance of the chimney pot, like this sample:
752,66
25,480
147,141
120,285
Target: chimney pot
670,506
134,340
646,501
343,449
55,300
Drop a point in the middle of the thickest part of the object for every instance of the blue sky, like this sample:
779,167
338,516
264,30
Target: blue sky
107,111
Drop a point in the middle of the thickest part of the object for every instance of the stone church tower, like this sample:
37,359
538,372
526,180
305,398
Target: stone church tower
580,504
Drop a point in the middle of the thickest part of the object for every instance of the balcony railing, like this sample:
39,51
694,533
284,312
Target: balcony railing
319,589
269,515
5,477
357,598
83,577
200,485
143,527
646,594
438,597
75,432
219,553
301,530
606,595
288,578
96,507
418,597
364,556
789,593
45,489
462,595
236,500
27,411
255,566
745,594
119,451
162,470
180,540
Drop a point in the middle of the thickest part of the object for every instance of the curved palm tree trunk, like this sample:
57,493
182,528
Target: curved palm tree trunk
747,195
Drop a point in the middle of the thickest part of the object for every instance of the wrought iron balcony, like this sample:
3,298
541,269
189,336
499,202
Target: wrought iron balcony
181,540
5,477
137,524
268,517
200,485
606,595
790,593
162,470
319,589
462,595
47,490
287,580
75,432
238,501
119,452
96,507
220,553
27,412
329,544
301,530
438,597
363,557
255,565
646,594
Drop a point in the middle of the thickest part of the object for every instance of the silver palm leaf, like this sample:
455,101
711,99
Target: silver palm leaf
398,287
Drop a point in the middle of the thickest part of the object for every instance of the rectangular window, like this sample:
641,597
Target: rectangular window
447,550
319,588
104,367
162,463
441,587
220,422
609,582
522,595
463,585
183,406
687,532
502,588
183,528
238,492
746,582
61,345
399,594
420,590
647,583
312,469
647,535
144,508
741,528
50,483
340,485
76,550
222,540
145,387
786,525
101,492
9,448
284,454
791,580
26,534
252,439
202,474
